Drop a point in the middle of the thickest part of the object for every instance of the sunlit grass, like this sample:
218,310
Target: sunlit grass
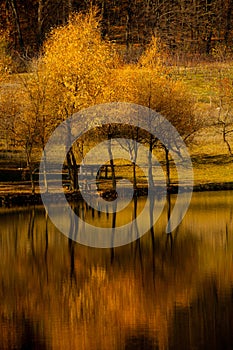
203,79
211,160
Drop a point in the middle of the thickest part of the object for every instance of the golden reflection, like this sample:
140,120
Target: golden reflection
158,292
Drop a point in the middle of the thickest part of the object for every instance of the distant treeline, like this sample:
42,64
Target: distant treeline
184,26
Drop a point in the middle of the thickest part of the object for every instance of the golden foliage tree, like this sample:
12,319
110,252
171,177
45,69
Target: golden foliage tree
152,85
77,62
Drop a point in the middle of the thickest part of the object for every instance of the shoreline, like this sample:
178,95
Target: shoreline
13,197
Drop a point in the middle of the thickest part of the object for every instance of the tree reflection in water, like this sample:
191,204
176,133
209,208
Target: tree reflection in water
159,292
138,342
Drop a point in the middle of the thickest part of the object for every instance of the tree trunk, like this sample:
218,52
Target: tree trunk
32,181
133,159
128,25
39,22
168,210
228,22
150,174
71,161
168,179
70,7
31,172
134,176
73,170
44,170
111,159
208,42
224,134
17,24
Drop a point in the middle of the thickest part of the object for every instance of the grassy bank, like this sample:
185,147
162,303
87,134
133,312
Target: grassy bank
208,169
203,79
212,164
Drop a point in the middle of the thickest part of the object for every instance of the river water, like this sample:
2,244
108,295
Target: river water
158,292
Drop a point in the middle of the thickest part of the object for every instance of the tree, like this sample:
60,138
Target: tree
21,129
77,65
5,58
25,119
225,111
150,83
15,13
159,91
37,105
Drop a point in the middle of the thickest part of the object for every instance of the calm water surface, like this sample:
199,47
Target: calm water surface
159,292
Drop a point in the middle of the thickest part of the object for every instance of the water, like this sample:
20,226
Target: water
159,292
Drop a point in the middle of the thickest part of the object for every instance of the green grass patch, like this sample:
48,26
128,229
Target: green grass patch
203,79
